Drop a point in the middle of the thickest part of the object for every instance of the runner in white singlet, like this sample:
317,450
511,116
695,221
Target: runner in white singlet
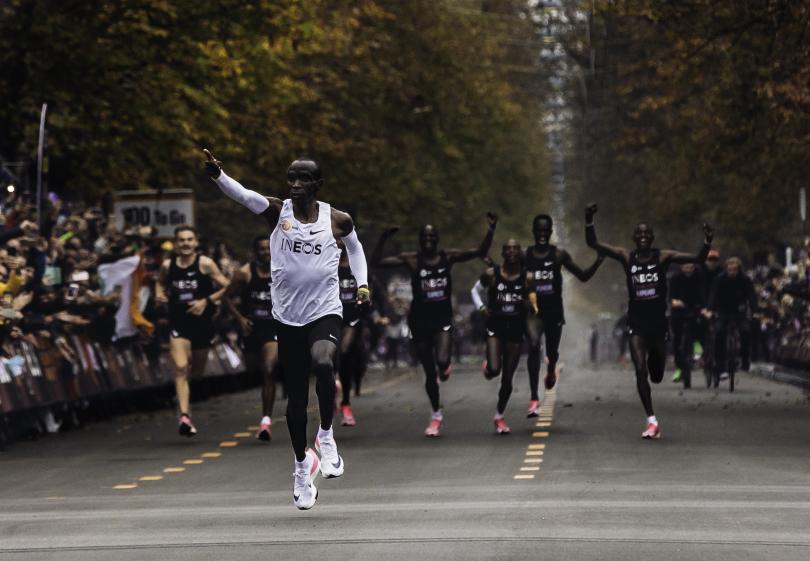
306,305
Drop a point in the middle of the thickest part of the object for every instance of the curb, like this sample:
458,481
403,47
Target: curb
782,374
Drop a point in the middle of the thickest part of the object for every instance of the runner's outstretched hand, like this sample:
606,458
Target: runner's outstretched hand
492,219
590,210
708,232
213,167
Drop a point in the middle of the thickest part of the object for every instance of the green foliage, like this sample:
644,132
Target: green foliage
411,107
695,111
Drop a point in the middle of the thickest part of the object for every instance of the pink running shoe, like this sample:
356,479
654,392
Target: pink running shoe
264,432
534,409
501,427
348,416
434,428
185,426
652,432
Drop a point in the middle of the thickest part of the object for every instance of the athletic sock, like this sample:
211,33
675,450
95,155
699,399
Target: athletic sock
652,420
498,415
437,415
265,420
326,434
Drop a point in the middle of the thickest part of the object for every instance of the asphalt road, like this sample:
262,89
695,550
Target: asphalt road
728,480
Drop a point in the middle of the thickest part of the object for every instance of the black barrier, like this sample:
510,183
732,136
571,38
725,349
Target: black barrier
794,350
38,375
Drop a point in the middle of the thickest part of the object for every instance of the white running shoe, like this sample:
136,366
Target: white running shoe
304,491
331,463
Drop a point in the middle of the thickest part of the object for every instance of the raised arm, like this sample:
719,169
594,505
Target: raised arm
459,255
671,256
583,275
269,207
618,253
403,259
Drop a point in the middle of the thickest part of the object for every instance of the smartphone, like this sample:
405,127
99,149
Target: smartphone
72,291
8,313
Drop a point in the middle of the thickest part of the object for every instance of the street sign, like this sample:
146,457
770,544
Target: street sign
165,211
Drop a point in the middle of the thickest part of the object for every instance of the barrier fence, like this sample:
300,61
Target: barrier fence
38,375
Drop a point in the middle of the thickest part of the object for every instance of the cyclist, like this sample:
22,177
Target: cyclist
686,300
732,300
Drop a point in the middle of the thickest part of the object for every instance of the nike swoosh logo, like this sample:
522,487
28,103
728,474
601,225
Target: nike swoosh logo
333,337
296,497
317,232
336,465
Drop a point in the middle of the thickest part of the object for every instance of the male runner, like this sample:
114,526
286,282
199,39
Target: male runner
252,285
646,270
544,263
507,286
431,315
186,283
306,305
352,362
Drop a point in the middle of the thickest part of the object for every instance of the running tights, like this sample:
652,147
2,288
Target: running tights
506,354
649,358
434,354
535,329
351,364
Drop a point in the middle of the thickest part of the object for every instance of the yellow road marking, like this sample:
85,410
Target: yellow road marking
543,425
228,444
241,434
530,468
534,453
540,434
524,476
55,498
174,470
253,428
193,462
151,478
211,455
536,446
125,486
533,461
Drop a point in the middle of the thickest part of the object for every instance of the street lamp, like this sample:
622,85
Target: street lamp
10,188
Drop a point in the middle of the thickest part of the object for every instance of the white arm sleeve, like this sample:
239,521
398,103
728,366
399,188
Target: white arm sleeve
476,292
234,190
357,258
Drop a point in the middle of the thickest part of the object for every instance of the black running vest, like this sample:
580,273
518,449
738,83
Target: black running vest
547,276
186,285
506,296
647,287
432,287
257,303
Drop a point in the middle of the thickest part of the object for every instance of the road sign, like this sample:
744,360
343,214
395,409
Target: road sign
165,210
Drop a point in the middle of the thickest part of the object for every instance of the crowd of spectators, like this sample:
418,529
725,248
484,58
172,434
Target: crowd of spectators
783,309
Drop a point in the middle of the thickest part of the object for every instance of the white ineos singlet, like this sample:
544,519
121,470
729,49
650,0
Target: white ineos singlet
304,264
